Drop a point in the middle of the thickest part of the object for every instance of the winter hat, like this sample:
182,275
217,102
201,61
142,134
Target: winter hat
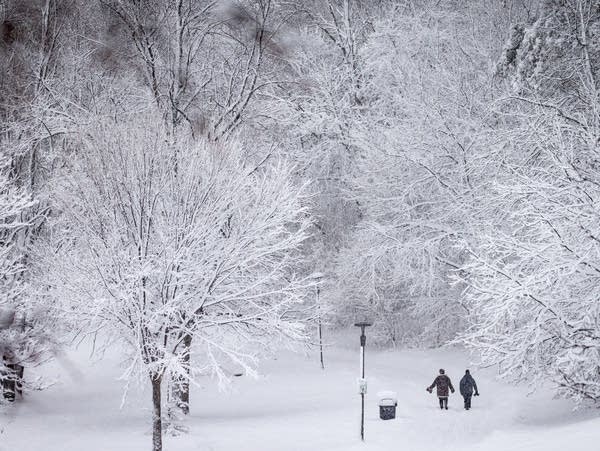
442,371
467,372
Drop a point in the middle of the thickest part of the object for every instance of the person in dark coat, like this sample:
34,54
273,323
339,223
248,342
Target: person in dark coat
467,386
443,383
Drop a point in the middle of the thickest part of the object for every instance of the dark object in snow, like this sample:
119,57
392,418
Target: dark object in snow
11,374
443,383
467,385
387,412
12,381
387,405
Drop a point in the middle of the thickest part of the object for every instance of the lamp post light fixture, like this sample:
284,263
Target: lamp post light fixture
362,382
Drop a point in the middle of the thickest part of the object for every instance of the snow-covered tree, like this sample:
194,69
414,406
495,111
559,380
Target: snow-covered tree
23,339
180,246
393,127
32,45
314,116
545,58
204,62
533,272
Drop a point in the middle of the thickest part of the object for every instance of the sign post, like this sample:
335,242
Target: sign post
362,382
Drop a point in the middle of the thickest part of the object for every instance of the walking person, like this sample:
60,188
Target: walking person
443,384
467,386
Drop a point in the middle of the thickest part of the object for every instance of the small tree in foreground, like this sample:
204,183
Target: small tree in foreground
165,243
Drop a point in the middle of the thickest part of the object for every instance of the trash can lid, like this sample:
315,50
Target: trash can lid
388,402
387,398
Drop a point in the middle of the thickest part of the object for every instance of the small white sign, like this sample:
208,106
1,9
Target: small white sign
362,386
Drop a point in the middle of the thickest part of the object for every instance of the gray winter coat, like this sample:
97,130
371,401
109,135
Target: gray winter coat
467,385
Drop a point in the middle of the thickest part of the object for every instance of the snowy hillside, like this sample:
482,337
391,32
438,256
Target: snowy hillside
297,406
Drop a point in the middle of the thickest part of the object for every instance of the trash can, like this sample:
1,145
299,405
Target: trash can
388,401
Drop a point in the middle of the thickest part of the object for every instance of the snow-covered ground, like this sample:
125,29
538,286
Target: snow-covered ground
298,406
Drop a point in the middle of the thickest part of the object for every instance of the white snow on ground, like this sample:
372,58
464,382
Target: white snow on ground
298,406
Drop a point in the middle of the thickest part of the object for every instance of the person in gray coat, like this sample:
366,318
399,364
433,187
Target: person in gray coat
467,386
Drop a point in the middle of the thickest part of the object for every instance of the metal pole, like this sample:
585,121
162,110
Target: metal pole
320,330
362,417
363,340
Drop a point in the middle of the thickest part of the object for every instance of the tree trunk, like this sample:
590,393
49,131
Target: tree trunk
156,414
181,385
19,374
13,384
8,389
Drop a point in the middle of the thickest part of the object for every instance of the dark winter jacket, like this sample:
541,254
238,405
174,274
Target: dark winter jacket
443,383
467,385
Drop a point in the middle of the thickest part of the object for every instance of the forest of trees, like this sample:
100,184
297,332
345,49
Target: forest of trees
179,176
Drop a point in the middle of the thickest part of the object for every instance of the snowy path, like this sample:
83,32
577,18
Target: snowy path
300,407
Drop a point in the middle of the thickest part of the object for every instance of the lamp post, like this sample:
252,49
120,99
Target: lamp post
319,279
320,330
362,381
